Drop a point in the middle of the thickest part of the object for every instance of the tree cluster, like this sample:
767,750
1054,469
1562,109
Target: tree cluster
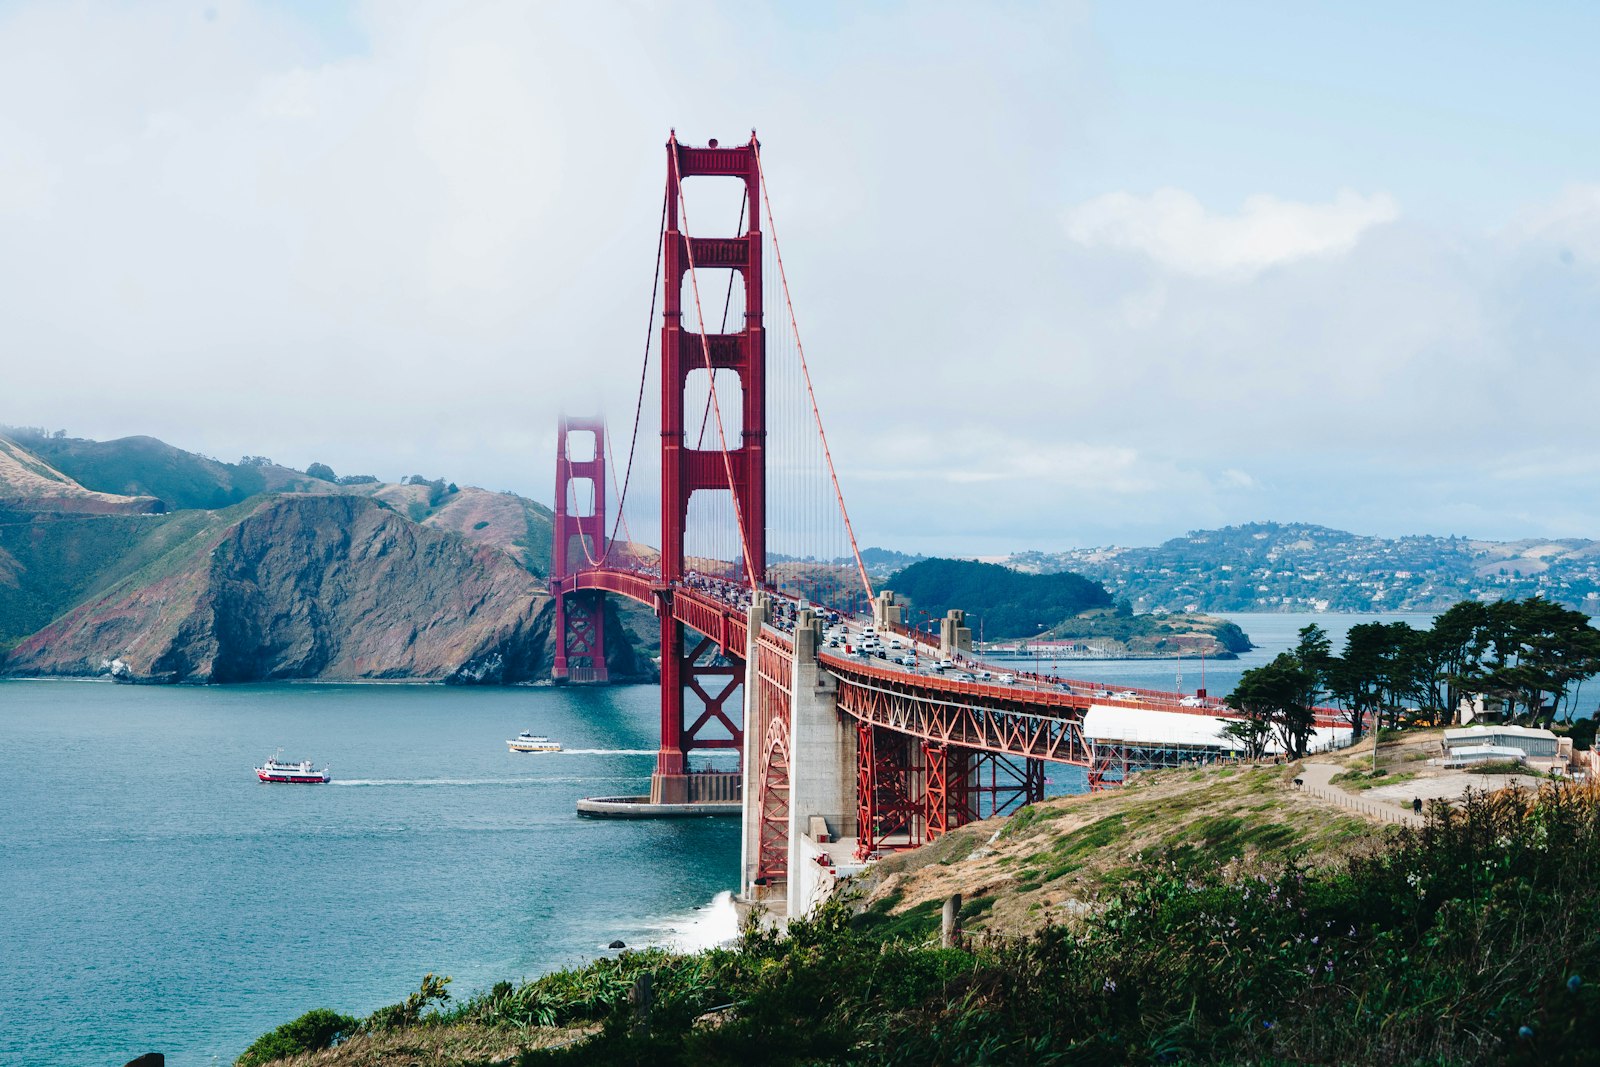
438,488
1279,698
1528,657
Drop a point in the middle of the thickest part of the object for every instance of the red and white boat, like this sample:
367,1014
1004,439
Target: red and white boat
277,769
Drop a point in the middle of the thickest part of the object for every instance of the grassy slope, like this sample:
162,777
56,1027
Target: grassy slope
60,562
25,477
47,567
1046,864
73,561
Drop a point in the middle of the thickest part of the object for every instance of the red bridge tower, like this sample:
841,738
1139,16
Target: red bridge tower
580,536
687,470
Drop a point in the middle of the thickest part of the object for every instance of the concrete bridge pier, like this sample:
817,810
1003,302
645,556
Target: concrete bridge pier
822,771
818,785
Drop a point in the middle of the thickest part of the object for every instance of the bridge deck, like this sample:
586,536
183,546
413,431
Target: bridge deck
719,610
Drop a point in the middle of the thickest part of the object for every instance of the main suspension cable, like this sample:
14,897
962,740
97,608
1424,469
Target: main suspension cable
711,374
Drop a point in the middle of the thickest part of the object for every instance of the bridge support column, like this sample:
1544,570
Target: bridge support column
886,614
822,767
690,664
947,795
954,634
580,638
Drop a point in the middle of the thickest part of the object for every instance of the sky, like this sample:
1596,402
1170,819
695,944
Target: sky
1066,274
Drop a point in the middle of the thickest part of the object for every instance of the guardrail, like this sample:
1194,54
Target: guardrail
1382,812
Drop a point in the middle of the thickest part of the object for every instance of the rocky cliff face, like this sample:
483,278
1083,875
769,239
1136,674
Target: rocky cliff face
318,586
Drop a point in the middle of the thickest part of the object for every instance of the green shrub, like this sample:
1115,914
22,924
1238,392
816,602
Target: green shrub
316,1029
409,1012
1444,944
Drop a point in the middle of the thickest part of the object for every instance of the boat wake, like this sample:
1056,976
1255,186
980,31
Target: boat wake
562,780
608,752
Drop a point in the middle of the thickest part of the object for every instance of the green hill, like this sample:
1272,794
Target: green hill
1010,603
144,466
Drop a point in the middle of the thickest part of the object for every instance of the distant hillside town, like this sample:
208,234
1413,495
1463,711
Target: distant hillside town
1268,566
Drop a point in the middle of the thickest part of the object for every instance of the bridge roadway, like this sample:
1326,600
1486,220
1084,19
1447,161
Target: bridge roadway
719,610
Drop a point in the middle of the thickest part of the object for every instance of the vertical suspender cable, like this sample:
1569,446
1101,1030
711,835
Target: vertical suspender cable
638,407
801,351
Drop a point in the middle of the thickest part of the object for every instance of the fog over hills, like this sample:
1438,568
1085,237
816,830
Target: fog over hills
162,564
136,558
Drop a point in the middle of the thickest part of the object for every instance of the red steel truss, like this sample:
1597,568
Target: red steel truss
1007,727
772,859
948,800
1011,783
889,794
713,678
581,644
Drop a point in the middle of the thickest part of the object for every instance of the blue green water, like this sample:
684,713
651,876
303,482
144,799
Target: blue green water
155,897
1270,632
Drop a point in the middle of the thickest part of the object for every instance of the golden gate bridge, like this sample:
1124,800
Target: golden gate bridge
768,710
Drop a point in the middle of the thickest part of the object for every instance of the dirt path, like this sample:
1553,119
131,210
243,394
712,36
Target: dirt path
1316,780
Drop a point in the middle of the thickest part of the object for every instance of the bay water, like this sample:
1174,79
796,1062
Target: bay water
1270,632
155,897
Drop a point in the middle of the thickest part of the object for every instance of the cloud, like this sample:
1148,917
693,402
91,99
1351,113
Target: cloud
1571,221
1175,230
411,254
